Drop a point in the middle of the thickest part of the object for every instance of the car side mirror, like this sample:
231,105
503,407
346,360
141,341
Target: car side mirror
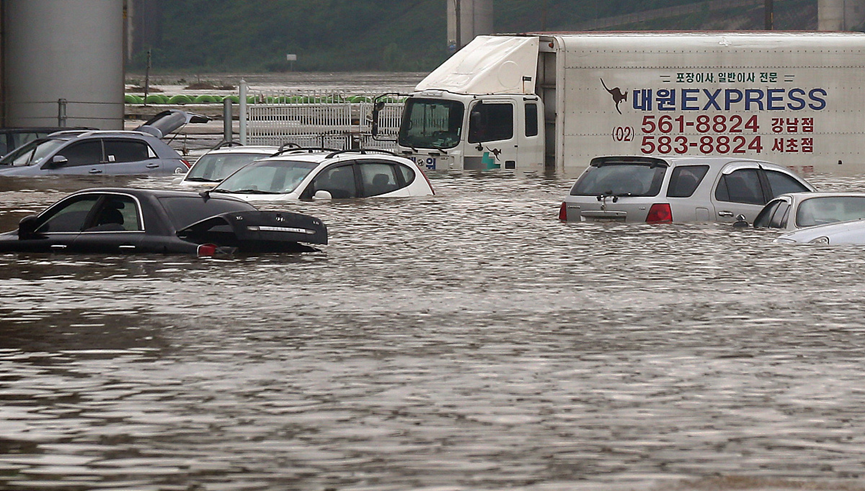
27,227
741,221
322,194
58,161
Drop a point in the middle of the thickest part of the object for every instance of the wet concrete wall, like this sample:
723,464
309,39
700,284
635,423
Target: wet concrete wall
63,63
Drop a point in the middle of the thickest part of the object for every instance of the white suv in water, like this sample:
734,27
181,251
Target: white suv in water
676,189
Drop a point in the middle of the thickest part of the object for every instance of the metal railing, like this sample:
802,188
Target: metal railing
68,112
316,118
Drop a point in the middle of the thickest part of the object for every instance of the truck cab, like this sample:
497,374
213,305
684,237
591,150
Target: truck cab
441,130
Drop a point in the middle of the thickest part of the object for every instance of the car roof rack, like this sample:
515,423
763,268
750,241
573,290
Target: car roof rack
103,133
227,143
68,132
300,149
362,151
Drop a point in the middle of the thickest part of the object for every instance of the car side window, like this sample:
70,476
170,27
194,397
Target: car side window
378,178
118,151
116,214
69,216
740,186
685,179
782,183
765,215
338,180
82,153
779,216
408,175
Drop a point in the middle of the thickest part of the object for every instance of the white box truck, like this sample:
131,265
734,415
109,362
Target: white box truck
551,102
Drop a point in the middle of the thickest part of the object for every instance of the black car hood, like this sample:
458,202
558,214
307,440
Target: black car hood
169,121
256,231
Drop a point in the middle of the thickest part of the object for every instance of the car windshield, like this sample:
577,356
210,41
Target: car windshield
431,123
267,177
32,153
216,167
817,211
620,179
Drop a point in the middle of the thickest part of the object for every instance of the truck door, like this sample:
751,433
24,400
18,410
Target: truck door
530,131
492,140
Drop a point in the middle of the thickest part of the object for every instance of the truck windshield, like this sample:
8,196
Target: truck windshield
431,123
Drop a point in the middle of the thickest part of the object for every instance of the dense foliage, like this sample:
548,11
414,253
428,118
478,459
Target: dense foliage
343,35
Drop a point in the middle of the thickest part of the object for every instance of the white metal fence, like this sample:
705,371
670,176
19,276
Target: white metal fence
326,119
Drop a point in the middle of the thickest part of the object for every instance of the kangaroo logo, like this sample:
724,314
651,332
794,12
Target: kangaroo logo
617,94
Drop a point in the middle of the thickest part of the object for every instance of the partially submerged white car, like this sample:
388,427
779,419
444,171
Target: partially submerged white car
852,232
802,210
645,189
306,174
222,161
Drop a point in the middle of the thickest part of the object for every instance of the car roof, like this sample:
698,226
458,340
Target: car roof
263,150
70,134
329,155
821,194
676,160
714,162
156,193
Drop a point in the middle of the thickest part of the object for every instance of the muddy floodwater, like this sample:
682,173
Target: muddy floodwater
466,341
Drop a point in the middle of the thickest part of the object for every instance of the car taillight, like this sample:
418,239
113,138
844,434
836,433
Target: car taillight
186,163
206,250
563,212
660,213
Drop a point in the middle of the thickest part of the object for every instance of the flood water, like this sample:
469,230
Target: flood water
464,341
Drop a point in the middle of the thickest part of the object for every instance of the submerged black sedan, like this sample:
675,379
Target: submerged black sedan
123,220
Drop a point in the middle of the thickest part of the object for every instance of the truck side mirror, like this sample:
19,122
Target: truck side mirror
376,109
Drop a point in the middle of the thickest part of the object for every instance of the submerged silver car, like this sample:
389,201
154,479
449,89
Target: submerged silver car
649,189
103,152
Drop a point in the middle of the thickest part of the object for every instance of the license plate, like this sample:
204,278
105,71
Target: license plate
605,219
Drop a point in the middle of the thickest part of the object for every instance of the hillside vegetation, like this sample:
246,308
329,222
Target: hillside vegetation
390,35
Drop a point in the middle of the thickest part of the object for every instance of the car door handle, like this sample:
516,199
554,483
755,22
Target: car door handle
152,165
725,214
127,247
96,171
58,246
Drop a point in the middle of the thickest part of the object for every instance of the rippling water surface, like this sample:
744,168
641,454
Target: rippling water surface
464,341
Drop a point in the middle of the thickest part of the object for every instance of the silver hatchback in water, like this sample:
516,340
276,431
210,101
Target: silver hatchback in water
676,189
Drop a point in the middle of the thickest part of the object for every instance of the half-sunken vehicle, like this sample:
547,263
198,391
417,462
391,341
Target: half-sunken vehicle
124,220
